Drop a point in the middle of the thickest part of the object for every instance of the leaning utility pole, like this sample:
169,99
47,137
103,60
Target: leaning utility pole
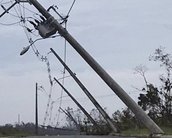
79,105
140,114
71,117
96,104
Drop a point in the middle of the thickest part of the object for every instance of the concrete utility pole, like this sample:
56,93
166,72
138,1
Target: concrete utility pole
97,105
140,114
79,105
36,110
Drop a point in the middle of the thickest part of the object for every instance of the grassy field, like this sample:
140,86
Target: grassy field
167,130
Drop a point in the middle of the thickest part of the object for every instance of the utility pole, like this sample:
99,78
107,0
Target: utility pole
36,110
79,105
131,104
97,105
71,117
18,119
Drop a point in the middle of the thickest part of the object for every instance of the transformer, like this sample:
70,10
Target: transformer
46,29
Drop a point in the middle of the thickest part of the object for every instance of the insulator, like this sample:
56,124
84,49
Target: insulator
4,8
37,21
35,26
42,18
29,30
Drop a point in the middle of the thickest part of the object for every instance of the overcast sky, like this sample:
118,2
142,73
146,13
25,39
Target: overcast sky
119,34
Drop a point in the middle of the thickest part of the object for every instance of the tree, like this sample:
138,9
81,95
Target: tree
165,60
125,119
157,101
151,101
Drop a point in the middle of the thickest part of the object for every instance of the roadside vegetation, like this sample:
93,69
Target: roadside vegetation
155,100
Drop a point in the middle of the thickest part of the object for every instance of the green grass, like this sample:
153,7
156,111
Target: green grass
17,134
167,130
144,131
135,132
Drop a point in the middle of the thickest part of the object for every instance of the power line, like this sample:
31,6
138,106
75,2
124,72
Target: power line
71,7
30,10
10,24
48,106
5,2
